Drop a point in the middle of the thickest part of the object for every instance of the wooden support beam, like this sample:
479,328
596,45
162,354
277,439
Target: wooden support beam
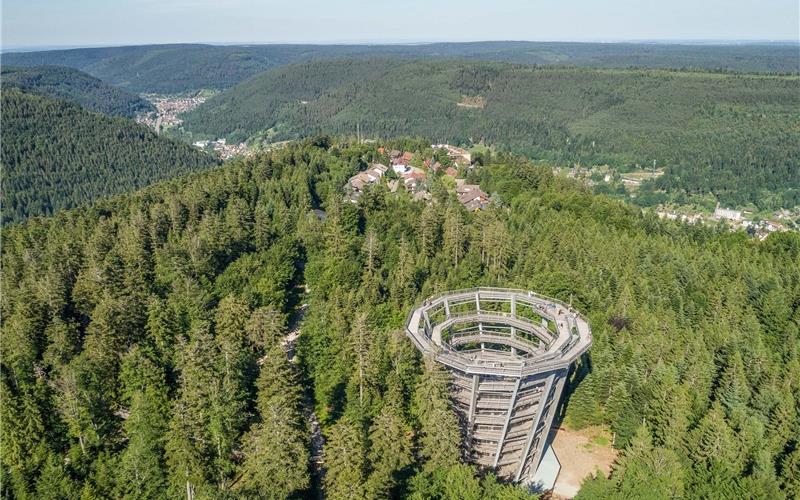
474,399
505,425
532,433
548,421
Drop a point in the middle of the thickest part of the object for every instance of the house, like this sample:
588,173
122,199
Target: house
432,164
475,205
370,176
472,197
400,161
414,179
451,172
727,213
400,168
462,188
380,167
459,156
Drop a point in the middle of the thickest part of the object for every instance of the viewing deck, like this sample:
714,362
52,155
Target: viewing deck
509,353
572,336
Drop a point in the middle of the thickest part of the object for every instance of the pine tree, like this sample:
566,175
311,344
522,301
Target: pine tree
440,439
191,446
54,481
265,328
142,468
734,391
455,236
667,408
430,231
370,290
361,341
649,472
345,462
402,283
624,416
389,452
275,453
713,446
236,365
790,474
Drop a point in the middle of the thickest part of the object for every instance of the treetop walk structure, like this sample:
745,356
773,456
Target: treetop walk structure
508,352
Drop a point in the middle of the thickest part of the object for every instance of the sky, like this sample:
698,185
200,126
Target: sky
52,23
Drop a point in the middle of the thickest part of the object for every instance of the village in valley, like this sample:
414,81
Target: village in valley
166,117
167,110
607,180
402,174
403,170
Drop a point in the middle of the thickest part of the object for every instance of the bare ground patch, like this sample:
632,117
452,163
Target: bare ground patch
475,102
581,453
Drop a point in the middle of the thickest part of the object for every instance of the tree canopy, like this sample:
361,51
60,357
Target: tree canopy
141,352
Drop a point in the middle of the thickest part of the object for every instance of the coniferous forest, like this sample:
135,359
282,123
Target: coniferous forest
57,155
75,86
143,358
730,135
181,67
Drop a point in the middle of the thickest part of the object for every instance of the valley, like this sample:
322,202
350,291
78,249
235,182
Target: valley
500,270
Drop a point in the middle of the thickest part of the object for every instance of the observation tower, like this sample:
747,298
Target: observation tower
508,353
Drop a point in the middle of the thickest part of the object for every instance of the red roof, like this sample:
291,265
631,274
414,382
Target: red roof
451,171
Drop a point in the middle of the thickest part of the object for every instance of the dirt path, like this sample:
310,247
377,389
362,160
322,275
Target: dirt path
581,453
316,439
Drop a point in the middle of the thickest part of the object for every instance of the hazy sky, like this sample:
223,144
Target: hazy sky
117,22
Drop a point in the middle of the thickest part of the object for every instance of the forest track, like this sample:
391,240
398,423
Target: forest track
316,440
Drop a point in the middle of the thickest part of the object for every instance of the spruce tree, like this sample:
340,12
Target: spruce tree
345,462
389,452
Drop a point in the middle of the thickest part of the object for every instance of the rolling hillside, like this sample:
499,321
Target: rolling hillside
145,337
58,155
737,136
190,67
75,86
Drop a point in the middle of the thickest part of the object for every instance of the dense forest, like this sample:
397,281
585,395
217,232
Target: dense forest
142,353
735,136
74,86
191,67
57,155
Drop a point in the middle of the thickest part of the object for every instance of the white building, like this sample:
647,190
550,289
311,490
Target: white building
728,213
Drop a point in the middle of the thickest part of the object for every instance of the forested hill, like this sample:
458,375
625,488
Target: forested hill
190,67
57,155
143,357
735,136
75,86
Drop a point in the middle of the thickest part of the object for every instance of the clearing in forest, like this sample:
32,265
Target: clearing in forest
581,453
